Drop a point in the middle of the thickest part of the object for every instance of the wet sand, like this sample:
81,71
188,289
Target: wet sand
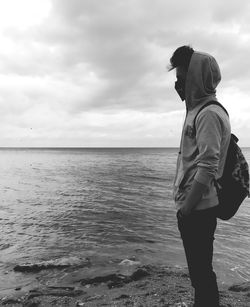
143,286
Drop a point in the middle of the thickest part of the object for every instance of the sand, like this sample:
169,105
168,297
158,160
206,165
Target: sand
145,286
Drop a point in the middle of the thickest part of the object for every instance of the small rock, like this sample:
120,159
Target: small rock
60,263
244,287
79,304
7,300
139,274
116,280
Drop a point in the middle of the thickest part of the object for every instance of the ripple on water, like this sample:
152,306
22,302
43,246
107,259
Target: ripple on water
110,203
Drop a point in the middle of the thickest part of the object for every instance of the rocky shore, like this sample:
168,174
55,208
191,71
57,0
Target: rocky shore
142,286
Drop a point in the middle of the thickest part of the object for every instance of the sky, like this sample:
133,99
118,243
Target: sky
93,73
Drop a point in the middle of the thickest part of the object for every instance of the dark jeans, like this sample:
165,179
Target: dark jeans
197,233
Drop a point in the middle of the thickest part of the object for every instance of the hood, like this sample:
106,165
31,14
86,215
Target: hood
203,76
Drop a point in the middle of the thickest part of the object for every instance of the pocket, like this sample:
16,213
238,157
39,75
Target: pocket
178,190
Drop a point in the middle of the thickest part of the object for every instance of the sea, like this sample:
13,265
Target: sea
107,206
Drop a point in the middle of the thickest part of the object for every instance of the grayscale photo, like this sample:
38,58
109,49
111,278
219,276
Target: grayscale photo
124,153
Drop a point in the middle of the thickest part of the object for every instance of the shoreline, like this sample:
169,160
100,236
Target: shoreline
142,286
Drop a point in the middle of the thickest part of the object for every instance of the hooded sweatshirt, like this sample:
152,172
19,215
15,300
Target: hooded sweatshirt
202,153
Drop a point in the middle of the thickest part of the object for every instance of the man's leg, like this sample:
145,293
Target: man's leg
197,232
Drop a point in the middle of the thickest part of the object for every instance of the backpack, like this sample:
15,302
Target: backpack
233,186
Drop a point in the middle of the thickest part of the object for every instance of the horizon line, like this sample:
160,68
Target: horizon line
79,147
93,147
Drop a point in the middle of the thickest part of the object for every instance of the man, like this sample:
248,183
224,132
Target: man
201,159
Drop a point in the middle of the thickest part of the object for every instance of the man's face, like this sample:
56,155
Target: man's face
181,75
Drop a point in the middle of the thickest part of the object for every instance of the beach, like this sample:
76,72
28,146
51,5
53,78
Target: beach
98,227
138,286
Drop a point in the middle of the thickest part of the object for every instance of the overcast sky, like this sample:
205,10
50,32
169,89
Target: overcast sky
93,72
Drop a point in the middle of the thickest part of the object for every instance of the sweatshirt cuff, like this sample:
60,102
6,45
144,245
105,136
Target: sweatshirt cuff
203,177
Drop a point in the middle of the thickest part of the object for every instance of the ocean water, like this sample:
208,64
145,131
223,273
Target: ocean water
107,205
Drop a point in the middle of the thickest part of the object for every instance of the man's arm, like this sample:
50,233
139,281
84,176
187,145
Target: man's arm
193,198
208,138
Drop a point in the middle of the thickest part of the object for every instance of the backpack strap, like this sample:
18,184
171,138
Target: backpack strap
213,102
206,105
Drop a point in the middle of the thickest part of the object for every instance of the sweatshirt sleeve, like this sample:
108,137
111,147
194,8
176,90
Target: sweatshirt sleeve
208,137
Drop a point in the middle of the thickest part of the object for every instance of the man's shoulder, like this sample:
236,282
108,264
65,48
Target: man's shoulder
214,116
212,111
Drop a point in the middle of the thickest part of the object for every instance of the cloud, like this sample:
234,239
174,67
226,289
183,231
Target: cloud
106,60
229,12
